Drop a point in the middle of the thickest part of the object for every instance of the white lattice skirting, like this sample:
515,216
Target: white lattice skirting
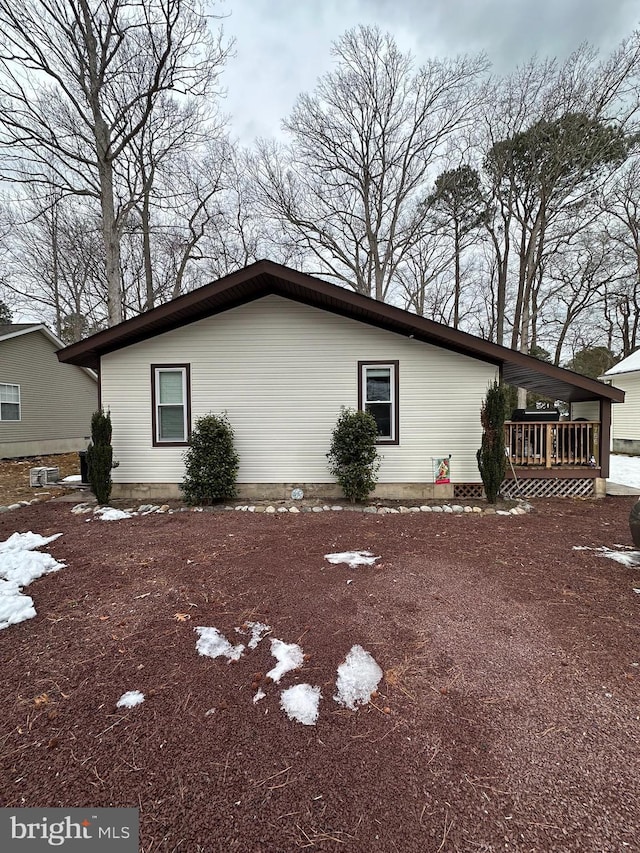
548,488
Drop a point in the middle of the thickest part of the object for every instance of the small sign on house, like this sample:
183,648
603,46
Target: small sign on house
441,469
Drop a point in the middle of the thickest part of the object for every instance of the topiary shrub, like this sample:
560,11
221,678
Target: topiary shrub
353,457
100,456
211,462
492,461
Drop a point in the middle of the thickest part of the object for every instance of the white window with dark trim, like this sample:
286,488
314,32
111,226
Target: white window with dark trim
378,395
171,416
9,402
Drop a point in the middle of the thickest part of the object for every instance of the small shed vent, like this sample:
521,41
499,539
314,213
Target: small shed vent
43,476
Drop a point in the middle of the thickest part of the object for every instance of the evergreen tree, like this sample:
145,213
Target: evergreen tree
211,462
491,456
353,457
100,456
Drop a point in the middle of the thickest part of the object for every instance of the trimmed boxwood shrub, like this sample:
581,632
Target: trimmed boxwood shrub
353,457
492,461
211,462
100,456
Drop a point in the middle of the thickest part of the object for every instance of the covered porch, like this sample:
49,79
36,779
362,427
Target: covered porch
564,457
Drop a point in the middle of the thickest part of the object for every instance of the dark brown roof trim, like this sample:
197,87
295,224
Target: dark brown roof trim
266,277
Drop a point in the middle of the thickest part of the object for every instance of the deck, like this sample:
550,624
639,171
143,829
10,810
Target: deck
544,445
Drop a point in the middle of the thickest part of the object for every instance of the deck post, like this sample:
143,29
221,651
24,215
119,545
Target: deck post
605,437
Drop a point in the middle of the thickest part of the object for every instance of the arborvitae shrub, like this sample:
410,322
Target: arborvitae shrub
353,457
211,462
492,461
100,456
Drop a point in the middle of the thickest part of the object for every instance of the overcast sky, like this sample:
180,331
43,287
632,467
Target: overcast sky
283,46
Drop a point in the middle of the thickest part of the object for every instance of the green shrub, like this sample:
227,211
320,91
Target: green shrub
353,457
100,456
492,461
211,462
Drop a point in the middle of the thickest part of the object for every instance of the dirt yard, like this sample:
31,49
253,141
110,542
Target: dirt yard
14,477
507,718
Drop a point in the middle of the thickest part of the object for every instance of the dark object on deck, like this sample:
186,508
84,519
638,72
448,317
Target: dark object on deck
84,468
634,523
542,415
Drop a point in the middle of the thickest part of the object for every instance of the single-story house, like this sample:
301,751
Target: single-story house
45,406
281,352
625,424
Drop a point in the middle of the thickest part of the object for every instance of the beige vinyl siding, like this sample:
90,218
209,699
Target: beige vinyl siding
282,370
56,400
626,416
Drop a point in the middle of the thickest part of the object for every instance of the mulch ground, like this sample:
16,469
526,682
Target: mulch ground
507,719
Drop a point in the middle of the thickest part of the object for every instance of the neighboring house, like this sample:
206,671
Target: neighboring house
625,430
45,406
281,352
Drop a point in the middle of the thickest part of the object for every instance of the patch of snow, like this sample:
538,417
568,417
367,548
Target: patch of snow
259,695
18,567
22,567
625,470
130,699
26,541
352,558
358,678
300,703
72,478
14,606
258,631
213,644
108,513
289,656
627,558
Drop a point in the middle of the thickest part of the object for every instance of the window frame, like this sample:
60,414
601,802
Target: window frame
185,370
394,365
19,418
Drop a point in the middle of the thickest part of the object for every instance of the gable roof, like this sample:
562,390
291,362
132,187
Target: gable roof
15,330
12,330
265,277
628,365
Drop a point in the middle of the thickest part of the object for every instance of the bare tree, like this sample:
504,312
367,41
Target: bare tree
363,151
554,133
80,80
55,263
621,209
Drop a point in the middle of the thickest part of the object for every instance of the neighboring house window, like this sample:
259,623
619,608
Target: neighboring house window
378,395
171,391
9,402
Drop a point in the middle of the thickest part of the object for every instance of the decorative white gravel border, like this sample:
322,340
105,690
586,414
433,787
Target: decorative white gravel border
522,508
452,509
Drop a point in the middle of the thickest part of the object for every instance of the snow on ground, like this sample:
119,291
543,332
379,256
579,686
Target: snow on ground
289,656
130,699
19,566
213,644
358,678
300,703
352,558
108,513
26,541
72,478
258,631
627,557
625,470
